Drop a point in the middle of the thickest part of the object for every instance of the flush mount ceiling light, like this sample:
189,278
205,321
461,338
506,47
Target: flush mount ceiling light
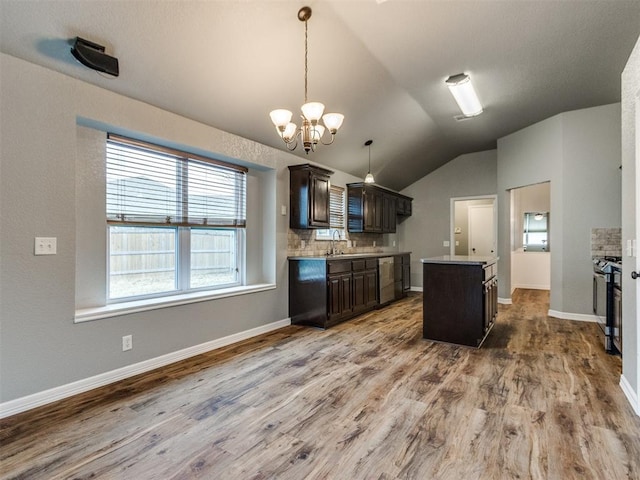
310,132
369,178
462,90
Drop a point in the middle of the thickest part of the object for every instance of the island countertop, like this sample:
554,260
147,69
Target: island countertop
461,259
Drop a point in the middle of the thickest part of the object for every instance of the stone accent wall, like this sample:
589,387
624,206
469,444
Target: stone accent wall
360,243
606,242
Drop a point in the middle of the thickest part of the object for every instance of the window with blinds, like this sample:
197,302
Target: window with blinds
336,215
176,221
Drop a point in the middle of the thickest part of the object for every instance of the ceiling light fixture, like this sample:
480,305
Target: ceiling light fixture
462,90
369,178
310,132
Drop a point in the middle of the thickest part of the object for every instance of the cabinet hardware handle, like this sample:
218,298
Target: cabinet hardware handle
634,275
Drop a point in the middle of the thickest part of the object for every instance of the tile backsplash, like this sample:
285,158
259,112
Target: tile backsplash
606,242
360,243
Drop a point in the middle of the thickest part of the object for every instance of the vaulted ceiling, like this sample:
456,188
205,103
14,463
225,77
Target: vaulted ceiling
380,63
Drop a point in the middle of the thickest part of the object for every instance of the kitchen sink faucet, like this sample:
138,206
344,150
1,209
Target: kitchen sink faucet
333,241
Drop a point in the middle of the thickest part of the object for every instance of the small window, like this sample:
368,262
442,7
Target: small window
535,237
336,215
176,221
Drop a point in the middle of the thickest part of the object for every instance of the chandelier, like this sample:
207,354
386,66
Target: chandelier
311,131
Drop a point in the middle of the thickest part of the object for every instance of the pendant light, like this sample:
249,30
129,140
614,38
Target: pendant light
369,178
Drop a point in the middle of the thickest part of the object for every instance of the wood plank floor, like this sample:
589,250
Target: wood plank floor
369,399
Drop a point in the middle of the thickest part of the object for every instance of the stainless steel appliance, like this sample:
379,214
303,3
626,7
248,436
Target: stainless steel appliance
606,274
386,279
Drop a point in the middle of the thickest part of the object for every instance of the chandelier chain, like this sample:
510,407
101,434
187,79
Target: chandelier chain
306,54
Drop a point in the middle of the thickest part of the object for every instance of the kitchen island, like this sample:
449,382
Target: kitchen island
460,298
326,290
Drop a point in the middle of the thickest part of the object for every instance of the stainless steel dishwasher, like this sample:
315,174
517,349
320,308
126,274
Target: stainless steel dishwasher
385,279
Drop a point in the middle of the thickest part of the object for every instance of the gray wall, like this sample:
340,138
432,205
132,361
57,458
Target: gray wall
579,153
422,234
630,159
48,189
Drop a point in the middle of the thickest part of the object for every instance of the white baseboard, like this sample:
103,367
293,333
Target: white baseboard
23,404
580,317
630,394
416,289
504,301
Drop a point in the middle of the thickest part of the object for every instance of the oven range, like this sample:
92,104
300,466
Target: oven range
607,301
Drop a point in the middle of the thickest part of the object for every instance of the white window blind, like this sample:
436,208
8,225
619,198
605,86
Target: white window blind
336,215
151,185
336,207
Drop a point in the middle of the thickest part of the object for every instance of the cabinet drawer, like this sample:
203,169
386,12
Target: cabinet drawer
358,265
371,263
339,267
490,271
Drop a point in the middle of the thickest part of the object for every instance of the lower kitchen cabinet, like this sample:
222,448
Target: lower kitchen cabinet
460,298
402,275
326,291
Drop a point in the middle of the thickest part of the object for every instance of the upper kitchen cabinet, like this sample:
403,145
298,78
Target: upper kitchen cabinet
403,206
309,196
374,209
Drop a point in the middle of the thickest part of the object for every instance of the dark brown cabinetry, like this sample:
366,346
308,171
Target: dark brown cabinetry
326,291
402,275
309,196
340,300
365,284
403,206
373,209
460,299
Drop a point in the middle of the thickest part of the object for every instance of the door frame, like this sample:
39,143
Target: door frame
452,218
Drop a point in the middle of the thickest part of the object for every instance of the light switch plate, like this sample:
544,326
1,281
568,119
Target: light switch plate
45,246
283,210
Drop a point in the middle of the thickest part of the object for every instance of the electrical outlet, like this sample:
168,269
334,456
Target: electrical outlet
394,243
303,244
127,342
283,210
374,243
445,243
45,246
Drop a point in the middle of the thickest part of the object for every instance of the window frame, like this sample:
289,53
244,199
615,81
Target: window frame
182,231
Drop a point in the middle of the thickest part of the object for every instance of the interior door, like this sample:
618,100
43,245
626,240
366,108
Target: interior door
481,230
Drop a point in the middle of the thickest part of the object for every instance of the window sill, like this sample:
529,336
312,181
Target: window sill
117,309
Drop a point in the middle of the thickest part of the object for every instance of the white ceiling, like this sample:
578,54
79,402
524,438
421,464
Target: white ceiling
381,64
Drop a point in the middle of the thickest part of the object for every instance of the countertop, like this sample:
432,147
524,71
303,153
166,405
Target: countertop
347,256
461,259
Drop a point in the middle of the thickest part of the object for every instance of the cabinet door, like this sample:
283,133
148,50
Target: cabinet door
340,301
319,200
406,277
388,214
335,299
371,288
359,291
346,294
369,204
379,212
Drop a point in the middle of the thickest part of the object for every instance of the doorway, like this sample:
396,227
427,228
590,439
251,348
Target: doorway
474,225
531,237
